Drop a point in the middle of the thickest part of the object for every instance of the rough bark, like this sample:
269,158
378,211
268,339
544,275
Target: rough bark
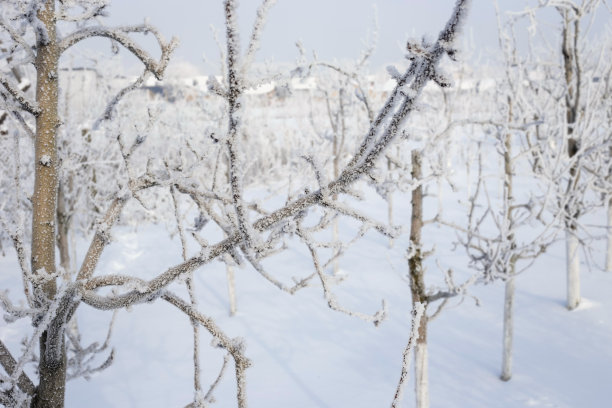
52,378
52,374
45,182
417,285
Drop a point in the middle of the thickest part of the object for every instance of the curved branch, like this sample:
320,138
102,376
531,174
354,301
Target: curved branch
423,67
120,35
234,346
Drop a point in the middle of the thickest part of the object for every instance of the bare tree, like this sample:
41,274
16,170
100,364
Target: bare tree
578,97
563,102
425,296
40,19
533,147
341,110
603,166
251,234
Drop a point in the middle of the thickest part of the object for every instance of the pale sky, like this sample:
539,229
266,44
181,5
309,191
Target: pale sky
334,28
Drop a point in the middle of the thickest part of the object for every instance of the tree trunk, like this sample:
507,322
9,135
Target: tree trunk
339,129
390,204
52,379
421,366
572,100
573,270
508,334
609,249
335,238
231,289
506,374
52,374
609,234
417,286
335,234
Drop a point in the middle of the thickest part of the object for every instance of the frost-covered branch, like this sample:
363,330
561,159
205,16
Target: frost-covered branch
9,364
235,347
235,88
120,35
389,231
22,255
417,315
260,21
112,104
102,234
18,38
19,96
67,305
423,68
79,364
17,116
192,295
209,394
97,9
330,298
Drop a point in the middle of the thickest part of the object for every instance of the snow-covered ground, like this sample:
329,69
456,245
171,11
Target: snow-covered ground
306,355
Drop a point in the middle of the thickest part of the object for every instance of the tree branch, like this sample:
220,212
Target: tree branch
101,237
120,35
417,314
423,68
9,364
19,96
92,12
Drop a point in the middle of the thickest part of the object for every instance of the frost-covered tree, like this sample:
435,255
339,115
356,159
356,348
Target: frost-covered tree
522,228
527,116
424,164
31,28
567,97
251,233
340,110
425,296
601,163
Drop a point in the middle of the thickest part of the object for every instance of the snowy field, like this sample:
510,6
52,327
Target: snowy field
306,355
120,193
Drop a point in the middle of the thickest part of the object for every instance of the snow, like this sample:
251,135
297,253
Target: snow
305,355
45,160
